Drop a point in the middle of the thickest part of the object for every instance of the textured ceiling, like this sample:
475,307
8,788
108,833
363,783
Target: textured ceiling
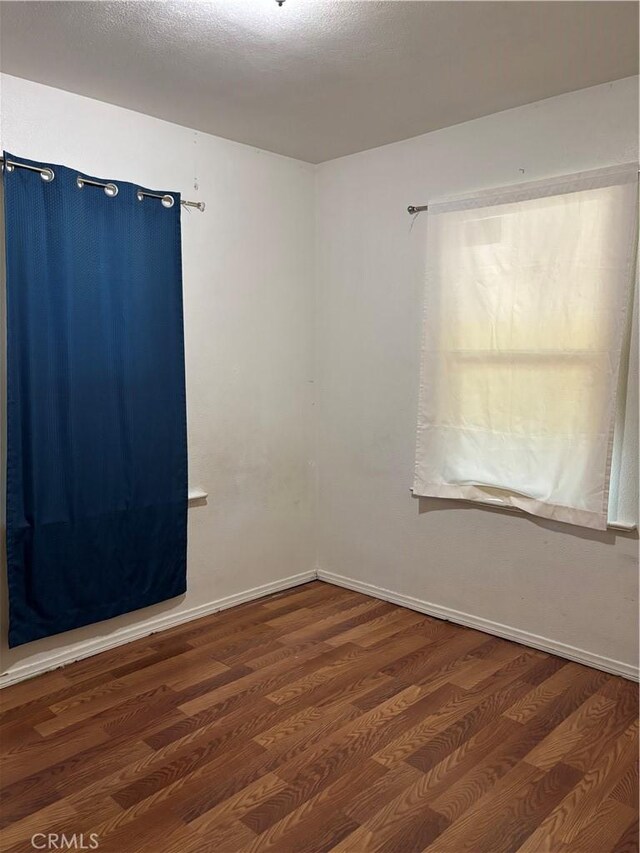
316,79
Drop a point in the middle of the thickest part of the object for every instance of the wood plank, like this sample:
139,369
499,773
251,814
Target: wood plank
365,802
259,682
320,812
629,841
545,692
32,690
572,732
609,820
446,741
626,791
571,815
525,811
411,740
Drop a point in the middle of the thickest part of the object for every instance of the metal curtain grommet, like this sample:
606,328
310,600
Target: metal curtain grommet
110,190
166,200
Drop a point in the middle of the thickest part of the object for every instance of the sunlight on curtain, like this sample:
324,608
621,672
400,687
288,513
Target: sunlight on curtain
527,295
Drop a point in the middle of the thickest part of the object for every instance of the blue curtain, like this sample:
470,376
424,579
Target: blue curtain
96,414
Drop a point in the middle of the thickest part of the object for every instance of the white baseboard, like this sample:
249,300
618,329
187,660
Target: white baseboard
147,627
545,644
169,620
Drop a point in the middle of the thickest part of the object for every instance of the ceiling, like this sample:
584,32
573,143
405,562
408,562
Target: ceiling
317,79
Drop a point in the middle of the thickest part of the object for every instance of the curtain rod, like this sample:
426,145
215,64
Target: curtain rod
110,189
418,208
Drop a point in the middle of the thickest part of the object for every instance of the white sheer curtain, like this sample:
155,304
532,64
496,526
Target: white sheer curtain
527,295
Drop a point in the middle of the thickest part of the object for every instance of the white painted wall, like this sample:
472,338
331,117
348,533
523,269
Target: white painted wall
248,265
259,331
563,584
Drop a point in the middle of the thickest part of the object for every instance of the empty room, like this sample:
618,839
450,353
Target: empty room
319,426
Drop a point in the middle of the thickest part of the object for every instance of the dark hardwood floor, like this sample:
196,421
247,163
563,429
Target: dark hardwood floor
321,719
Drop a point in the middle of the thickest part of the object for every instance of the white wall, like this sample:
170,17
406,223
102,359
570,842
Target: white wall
248,265
257,305
569,586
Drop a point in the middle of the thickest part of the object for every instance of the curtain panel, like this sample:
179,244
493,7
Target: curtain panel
526,303
96,412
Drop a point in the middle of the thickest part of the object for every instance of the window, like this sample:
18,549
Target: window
526,310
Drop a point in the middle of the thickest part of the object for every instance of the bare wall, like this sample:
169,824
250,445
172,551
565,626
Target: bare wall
566,585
